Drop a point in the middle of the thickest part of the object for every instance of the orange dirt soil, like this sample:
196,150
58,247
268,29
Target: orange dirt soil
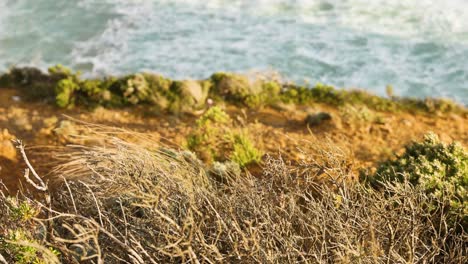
275,131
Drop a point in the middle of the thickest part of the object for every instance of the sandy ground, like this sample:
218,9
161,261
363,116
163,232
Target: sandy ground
365,136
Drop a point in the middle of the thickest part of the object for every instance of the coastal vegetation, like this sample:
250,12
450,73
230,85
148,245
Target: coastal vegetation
215,138
227,180
67,89
145,205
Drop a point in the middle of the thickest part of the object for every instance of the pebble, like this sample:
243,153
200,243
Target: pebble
317,119
7,148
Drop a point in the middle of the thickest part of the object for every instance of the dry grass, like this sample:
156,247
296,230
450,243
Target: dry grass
122,202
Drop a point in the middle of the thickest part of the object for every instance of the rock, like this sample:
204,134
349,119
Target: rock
19,118
317,119
50,122
106,95
232,86
22,123
48,125
190,97
65,130
192,89
26,75
386,128
407,122
7,148
158,83
136,89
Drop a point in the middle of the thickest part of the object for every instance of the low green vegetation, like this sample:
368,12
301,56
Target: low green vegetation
360,113
19,236
68,89
244,152
27,250
155,204
166,206
215,139
21,210
439,169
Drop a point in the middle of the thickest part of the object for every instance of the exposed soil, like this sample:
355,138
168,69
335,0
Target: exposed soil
276,131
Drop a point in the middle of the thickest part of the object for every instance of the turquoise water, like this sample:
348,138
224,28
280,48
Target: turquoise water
419,47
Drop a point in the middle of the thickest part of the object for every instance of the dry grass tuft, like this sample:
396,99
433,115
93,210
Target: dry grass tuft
140,203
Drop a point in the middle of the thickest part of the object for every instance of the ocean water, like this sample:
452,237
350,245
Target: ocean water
420,47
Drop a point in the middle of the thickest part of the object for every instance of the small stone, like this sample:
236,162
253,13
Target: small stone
233,85
406,122
209,102
386,129
106,95
65,129
50,121
7,148
5,135
22,123
317,119
48,125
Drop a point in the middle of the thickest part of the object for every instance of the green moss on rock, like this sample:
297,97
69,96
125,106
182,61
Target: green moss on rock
66,88
268,94
230,86
135,89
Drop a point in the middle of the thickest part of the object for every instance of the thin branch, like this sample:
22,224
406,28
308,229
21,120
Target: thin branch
41,186
3,260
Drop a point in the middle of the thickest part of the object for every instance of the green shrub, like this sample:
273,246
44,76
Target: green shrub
296,95
21,210
439,169
215,139
66,88
135,89
35,84
23,254
62,70
71,90
26,250
244,152
208,138
268,95
326,94
65,92
20,236
157,83
213,115
320,93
